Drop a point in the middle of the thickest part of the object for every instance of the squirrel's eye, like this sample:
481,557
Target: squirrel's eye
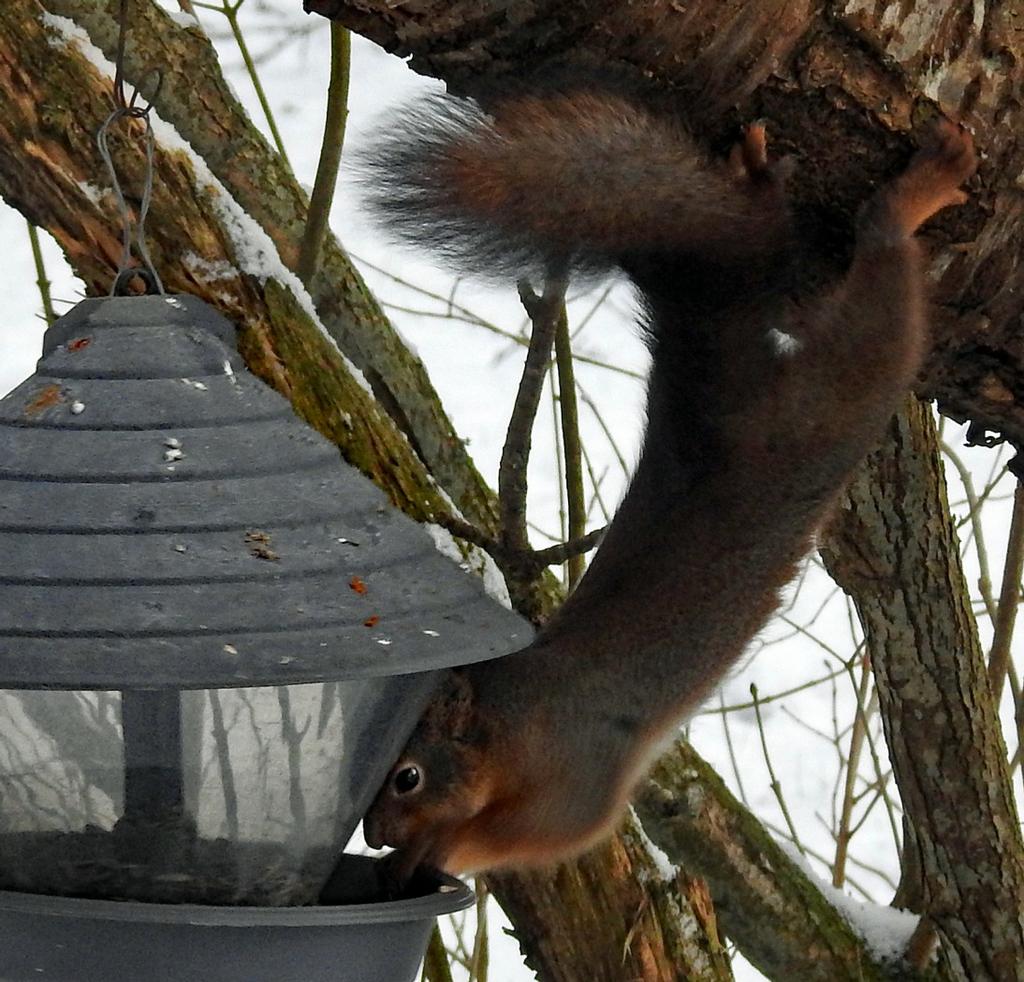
407,779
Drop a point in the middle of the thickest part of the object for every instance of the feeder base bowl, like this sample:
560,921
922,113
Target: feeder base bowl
66,939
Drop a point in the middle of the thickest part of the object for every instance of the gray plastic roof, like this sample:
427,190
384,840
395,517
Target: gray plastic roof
167,521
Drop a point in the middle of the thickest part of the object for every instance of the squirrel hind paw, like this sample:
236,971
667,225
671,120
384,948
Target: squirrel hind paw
932,180
949,148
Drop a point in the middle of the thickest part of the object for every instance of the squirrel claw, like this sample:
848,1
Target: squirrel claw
748,159
754,149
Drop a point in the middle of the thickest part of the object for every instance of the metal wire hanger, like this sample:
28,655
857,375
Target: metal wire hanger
132,231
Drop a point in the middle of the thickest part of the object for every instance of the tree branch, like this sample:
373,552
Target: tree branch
766,903
1009,598
576,922
570,418
527,563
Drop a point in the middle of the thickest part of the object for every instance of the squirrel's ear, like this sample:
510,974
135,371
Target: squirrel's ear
451,711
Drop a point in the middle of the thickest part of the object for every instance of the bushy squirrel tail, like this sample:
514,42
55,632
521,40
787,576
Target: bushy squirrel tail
577,180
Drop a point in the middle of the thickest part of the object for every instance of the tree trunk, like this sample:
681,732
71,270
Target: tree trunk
893,547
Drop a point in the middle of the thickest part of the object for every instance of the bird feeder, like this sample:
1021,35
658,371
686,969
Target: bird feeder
215,637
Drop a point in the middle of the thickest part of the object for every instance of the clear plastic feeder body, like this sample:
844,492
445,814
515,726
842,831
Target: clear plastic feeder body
241,796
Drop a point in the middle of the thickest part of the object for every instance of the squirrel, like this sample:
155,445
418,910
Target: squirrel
759,406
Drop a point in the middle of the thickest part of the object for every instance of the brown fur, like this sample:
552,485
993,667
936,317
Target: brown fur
758,409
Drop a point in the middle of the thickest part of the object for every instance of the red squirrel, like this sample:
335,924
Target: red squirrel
758,408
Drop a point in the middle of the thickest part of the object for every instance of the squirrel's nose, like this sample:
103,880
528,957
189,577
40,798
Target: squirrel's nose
373,833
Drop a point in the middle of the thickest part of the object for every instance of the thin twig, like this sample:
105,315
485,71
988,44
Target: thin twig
596,480
567,550
878,794
844,832
774,785
803,631
815,731
559,483
592,406
454,311
530,560
544,312
462,529
974,516
1009,598
1018,757
435,965
737,776
231,13
543,532
479,963
595,307
42,280
876,760
458,952
571,444
764,700
330,155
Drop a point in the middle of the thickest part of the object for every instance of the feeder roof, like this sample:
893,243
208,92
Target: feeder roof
167,521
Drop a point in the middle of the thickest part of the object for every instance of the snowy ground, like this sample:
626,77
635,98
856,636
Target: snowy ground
476,373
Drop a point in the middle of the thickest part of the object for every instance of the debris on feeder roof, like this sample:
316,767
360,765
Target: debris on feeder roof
166,520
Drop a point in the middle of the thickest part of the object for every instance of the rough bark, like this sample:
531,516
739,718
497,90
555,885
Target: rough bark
54,101
893,548
842,85
659,929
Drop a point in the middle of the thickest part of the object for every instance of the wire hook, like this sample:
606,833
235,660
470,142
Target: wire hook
131,232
